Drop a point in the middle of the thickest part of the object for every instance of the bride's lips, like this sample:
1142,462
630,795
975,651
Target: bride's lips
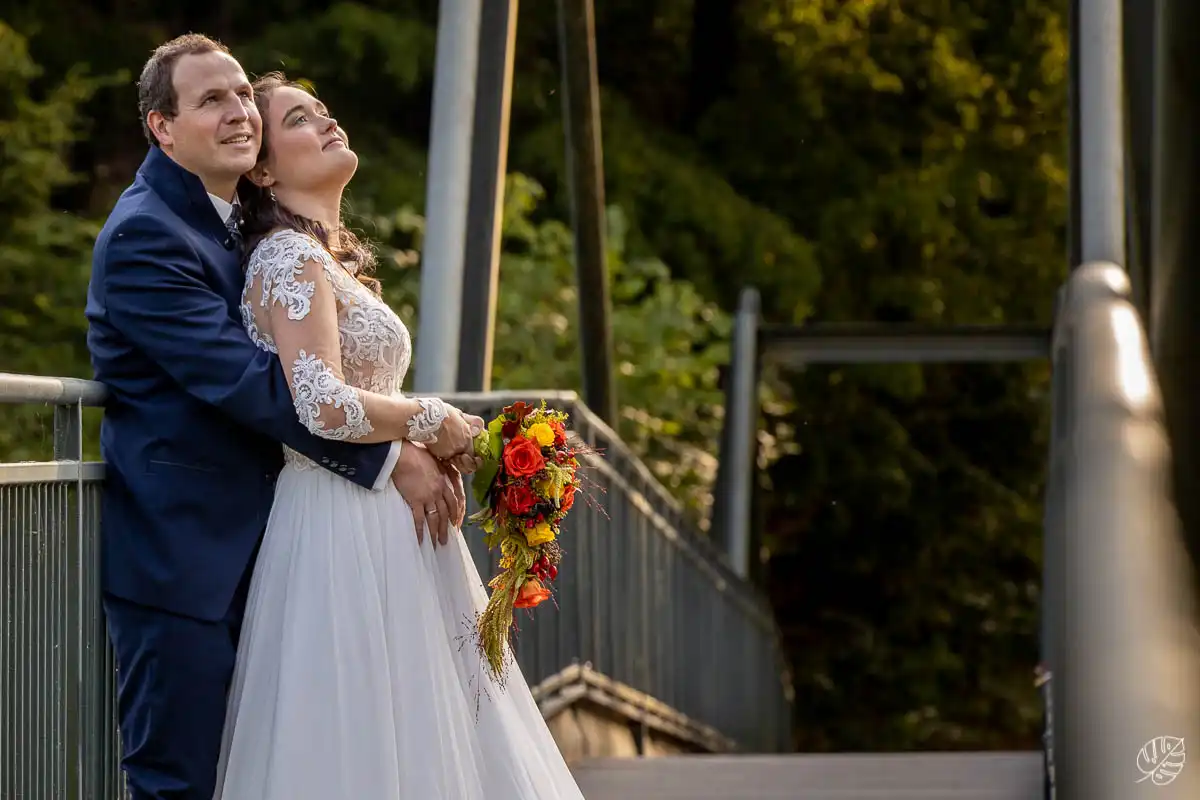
332,142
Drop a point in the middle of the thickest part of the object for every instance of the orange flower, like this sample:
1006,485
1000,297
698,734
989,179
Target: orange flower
531,594
523,458
568,498
560,434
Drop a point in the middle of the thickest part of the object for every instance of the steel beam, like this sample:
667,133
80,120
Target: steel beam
833,343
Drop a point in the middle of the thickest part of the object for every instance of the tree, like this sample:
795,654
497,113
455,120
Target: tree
45,252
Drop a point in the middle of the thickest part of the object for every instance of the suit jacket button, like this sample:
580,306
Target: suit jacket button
350,471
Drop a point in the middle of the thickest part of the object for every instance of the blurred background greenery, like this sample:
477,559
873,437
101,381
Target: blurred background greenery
862,160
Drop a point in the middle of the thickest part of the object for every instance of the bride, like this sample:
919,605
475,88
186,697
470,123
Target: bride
352,680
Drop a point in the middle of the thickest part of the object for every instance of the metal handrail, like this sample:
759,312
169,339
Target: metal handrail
19,389
16,389
1119,612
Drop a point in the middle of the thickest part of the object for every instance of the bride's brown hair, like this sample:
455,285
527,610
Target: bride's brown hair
261,214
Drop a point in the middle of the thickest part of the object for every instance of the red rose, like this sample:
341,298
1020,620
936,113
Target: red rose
510,429
523,458
518,499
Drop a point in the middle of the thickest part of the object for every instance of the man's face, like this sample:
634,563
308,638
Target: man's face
216,131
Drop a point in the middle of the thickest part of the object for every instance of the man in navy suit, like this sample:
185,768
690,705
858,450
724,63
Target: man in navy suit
196,414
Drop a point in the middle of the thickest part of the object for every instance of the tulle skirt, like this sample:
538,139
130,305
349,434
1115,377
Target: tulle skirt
357,677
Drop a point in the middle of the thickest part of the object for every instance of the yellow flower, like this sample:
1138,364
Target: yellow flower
548,489
506,562
539,534
541,433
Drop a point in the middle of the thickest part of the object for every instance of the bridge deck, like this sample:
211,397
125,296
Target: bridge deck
902,776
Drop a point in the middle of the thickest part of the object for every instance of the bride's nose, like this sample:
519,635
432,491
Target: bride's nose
330,123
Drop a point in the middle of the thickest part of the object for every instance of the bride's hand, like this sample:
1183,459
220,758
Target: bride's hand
455,436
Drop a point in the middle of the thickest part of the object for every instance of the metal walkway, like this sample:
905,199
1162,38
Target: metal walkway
900,776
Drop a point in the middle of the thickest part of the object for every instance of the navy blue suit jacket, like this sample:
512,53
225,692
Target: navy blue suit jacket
196,412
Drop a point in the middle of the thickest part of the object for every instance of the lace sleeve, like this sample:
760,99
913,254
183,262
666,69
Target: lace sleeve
298,309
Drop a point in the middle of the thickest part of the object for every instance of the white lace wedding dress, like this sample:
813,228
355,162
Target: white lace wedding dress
353,681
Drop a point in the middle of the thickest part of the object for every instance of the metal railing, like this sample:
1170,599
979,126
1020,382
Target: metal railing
1119,616
643,599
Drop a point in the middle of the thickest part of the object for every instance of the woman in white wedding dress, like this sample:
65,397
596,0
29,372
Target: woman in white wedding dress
356,678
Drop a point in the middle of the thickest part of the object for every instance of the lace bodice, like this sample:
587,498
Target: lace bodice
334,337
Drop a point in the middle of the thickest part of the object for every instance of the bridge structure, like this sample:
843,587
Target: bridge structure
660,673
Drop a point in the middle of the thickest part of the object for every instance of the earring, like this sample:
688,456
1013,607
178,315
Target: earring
271,192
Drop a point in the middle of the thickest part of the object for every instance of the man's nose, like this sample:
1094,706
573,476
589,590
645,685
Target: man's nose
237,110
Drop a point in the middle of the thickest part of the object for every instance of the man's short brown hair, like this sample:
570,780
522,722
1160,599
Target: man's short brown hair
156,87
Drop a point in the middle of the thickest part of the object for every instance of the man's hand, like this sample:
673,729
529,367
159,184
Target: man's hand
454,478
421,481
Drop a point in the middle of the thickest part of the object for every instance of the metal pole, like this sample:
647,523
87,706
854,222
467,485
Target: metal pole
741,425
1101,131
585,176
489,157
1124,647
1074,240
446,195
1174,278
1140,46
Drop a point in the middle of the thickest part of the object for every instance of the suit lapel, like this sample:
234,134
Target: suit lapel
187,198
184,194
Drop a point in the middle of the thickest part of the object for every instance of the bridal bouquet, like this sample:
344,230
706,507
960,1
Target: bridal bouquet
525,487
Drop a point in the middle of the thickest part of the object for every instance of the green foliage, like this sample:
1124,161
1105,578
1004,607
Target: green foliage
688,213
44,252
905,553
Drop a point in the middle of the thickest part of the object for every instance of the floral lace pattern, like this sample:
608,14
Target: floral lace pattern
375,346
314,385
424,427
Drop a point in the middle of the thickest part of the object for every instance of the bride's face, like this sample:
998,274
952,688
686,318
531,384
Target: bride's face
306,150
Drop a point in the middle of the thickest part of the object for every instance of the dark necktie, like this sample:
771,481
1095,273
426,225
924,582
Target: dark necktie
234,224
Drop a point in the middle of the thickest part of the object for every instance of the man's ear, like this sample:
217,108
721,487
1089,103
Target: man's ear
161,128
260,176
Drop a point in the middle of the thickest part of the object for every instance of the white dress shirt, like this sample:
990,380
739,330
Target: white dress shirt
224,210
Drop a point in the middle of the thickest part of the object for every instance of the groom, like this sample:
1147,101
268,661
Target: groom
193,425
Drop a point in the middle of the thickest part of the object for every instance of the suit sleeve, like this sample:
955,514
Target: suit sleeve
156,295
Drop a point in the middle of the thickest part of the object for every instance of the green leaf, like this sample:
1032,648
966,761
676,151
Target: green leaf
481,482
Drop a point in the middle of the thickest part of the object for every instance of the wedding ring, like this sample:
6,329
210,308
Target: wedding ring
430,511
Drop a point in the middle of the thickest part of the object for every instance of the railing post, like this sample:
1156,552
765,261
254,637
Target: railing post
732,506
68,446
